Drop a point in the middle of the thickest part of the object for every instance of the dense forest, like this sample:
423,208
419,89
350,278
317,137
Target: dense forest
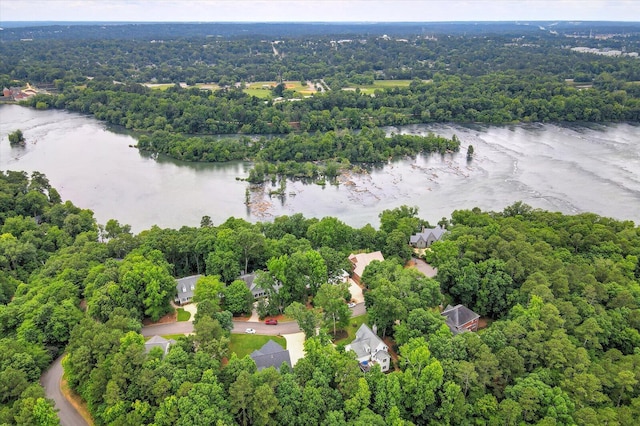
560,295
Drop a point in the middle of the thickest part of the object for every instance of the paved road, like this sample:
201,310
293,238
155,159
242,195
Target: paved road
282,328
50,380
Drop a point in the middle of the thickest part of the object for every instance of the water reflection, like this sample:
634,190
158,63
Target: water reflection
568,168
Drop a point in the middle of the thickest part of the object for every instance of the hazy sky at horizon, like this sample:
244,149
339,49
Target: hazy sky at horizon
318,10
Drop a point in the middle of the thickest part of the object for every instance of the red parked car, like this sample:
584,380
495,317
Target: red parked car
271,321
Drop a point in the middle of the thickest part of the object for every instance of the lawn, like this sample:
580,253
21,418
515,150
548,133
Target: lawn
262,89
380,84
354,325
167,336
159,86
183,315
258,93
244,344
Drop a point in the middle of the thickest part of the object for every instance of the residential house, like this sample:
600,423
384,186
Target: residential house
459,318
361,261
370,349
427,237
185,288
271,354
340,278
255,289
158,342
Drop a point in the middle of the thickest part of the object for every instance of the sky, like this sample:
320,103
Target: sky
319,10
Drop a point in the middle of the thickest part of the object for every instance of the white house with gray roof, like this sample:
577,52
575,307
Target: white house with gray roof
185,288
370,349
271,354
427,237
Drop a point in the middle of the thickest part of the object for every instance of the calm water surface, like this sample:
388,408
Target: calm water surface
560,168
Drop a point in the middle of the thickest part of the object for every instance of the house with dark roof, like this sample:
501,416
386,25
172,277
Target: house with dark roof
185,288
158,342
256,290
370,349
427,237
459,318
361,261
271,354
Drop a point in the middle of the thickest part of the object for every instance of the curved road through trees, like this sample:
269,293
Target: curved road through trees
68,414
50,380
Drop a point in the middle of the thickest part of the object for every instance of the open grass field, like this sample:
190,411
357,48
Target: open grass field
209,86
354,325
259,93
158,86
262,89
380,84
244,344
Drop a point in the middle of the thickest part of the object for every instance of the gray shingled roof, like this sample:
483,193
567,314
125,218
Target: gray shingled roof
437,232
186,286
271,354
158,342
365,338
458,315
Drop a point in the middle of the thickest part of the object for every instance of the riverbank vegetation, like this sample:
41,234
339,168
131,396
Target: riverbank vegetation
16,137
235,83
298,155
562,293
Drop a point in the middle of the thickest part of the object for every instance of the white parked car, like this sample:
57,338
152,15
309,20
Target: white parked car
351,305
250,331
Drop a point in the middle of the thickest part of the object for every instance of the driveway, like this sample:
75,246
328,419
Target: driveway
424,267
295,346
356,291
192,308
50,380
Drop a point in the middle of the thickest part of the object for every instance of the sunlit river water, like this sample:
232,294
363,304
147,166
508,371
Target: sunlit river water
571,169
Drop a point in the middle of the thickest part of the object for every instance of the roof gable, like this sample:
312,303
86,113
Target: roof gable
436,232
158,342
271,354
362,260
187,285
366,342
458,315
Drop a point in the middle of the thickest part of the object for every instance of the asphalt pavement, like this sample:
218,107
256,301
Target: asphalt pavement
50,380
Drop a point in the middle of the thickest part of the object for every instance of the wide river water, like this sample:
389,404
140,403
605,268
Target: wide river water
570,169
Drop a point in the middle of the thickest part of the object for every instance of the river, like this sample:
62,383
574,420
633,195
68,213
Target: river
571,169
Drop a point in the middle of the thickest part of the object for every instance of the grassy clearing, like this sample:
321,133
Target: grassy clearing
262,89
159,86
392,83
380,84
244,344
167,336
354,325
209,86
183,315
259,93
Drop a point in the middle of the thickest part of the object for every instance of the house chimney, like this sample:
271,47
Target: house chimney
374,329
